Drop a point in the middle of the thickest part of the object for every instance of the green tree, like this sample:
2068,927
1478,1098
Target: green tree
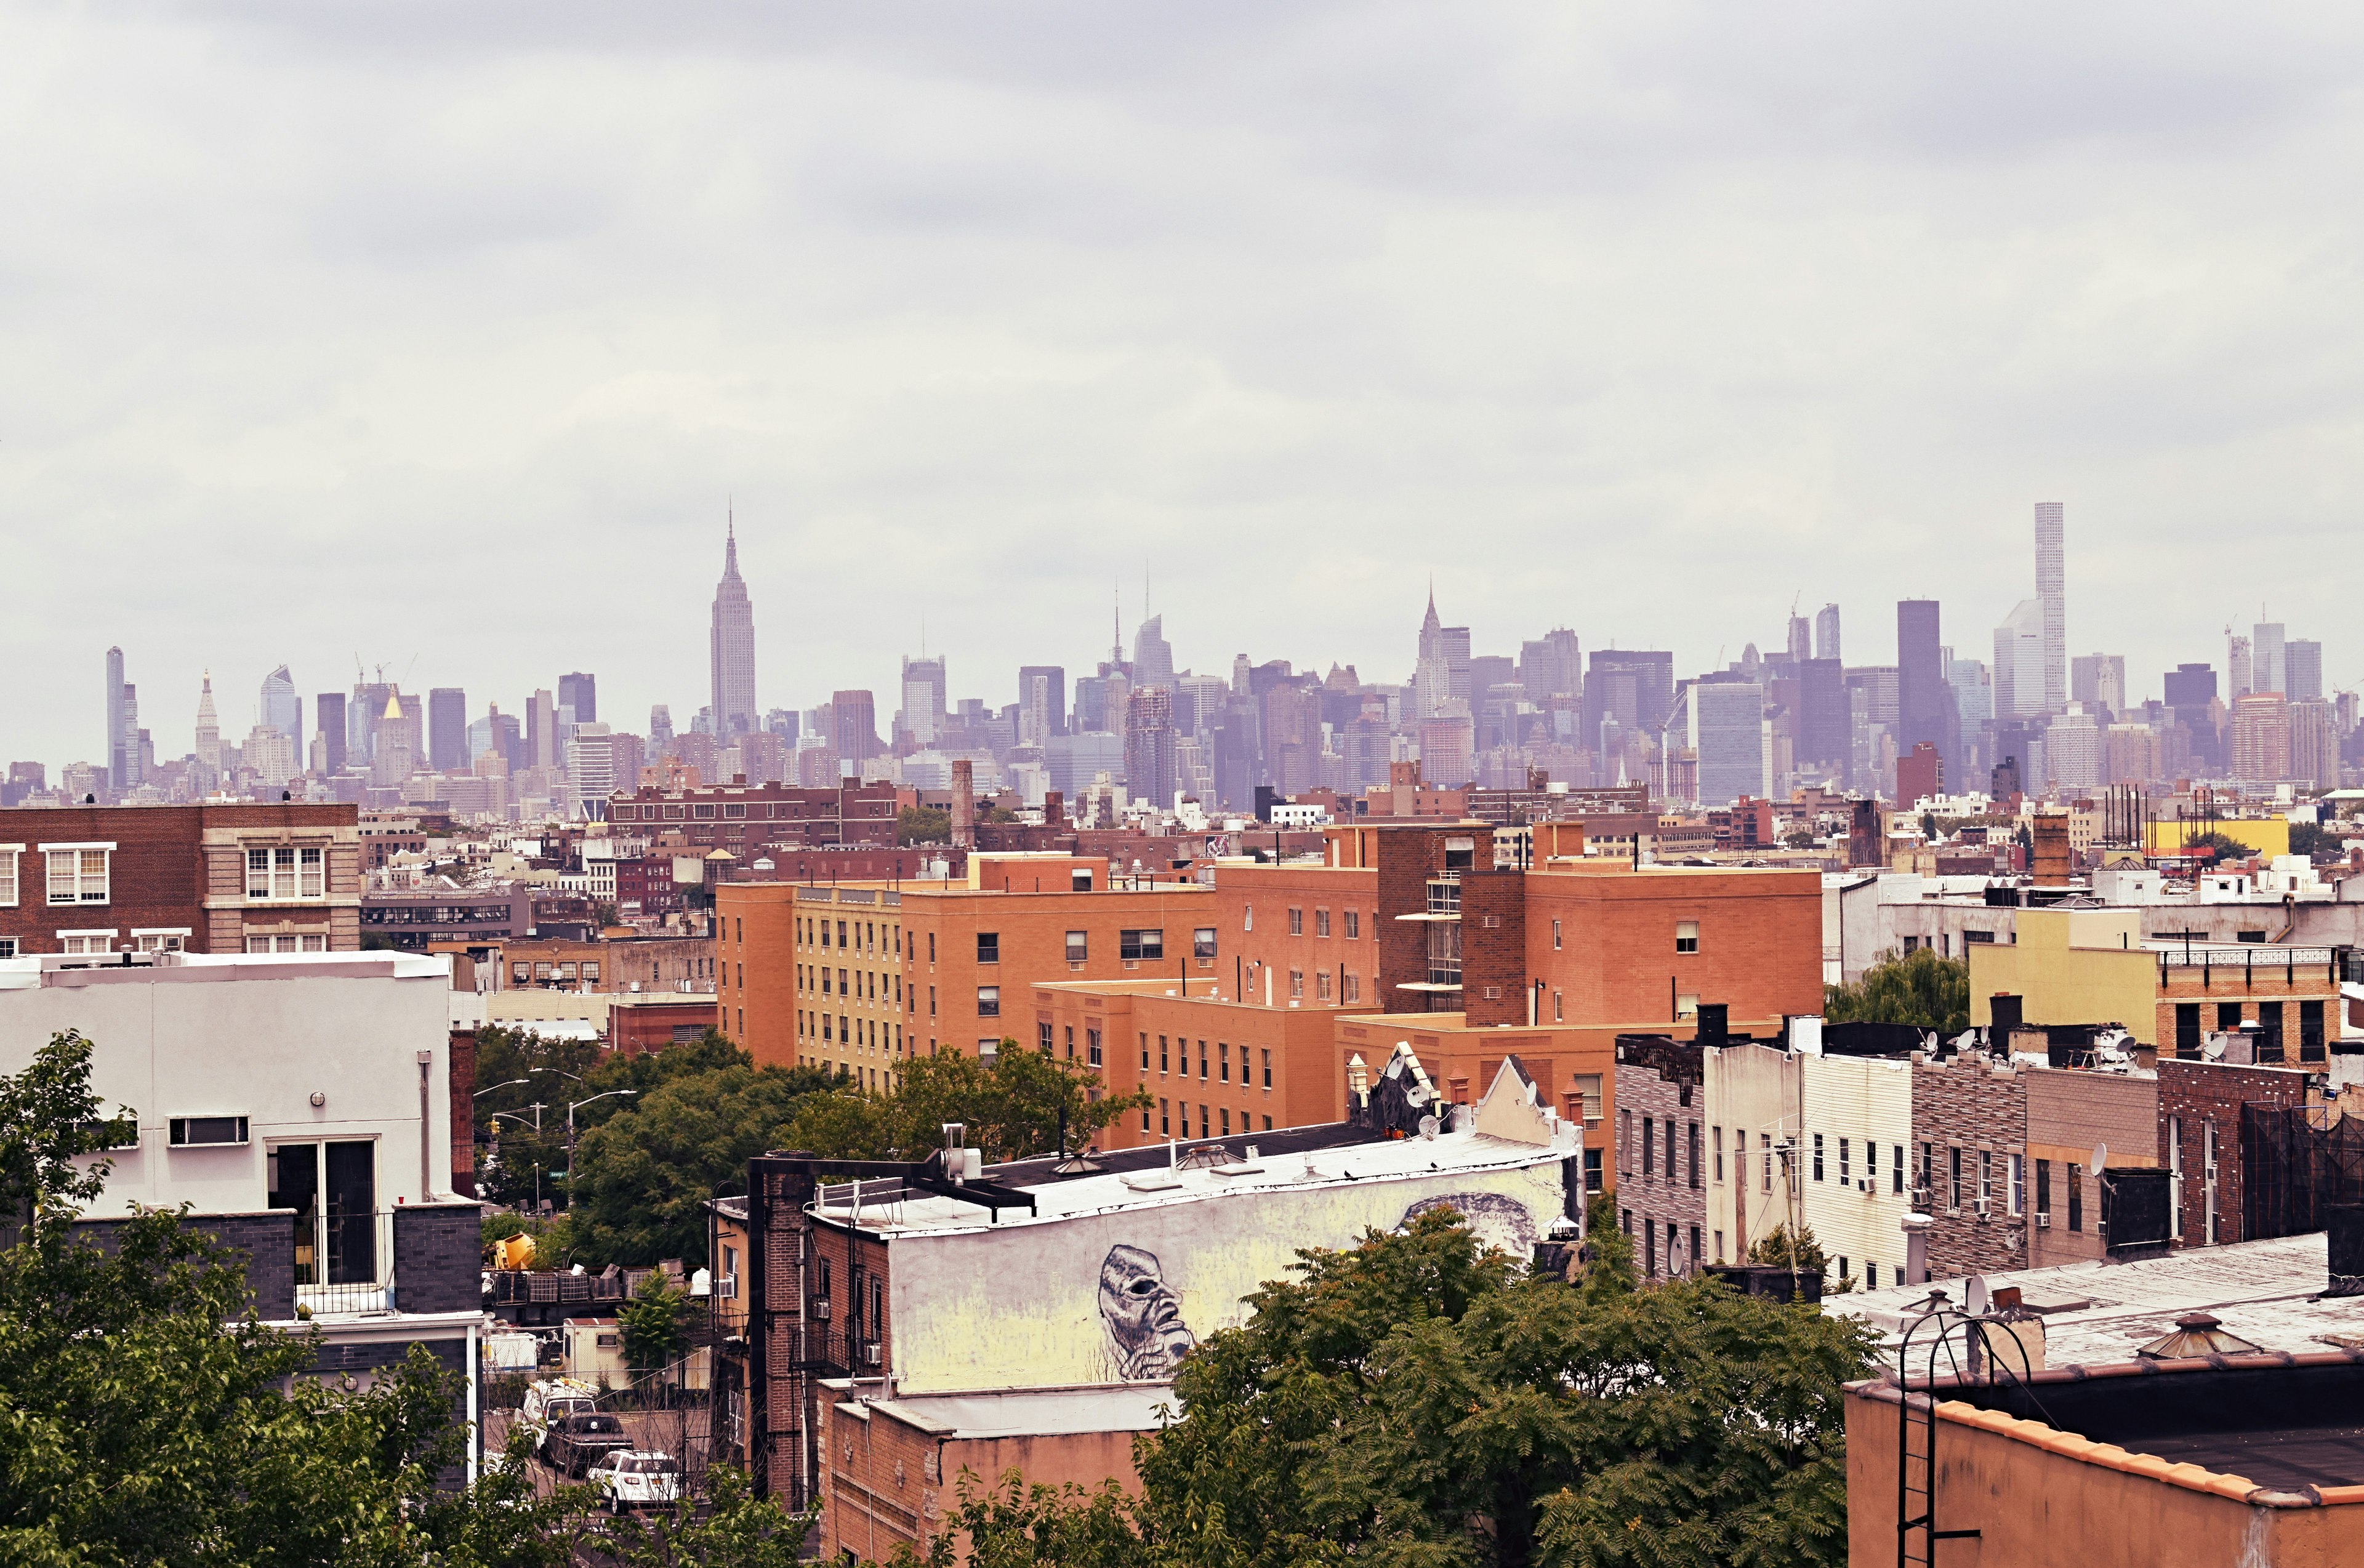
2308,837
1417,1400
2226,846
654,1335
1012,1106
1798,1252
923,825
1918,988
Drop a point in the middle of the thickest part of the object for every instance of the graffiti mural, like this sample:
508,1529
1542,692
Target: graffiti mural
1142,1315
1502,1223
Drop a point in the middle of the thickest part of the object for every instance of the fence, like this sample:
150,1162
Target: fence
2297,1162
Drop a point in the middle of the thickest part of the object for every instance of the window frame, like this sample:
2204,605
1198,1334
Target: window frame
1133,948
12,875
1687,937
79,876
988,1001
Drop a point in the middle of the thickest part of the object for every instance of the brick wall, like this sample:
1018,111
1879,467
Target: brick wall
1494,946
437,1257
1659,1083
264,1241
2195,1097
462,1076
1966,1105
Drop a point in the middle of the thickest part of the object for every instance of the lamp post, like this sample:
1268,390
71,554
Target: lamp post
490,1087
570,1135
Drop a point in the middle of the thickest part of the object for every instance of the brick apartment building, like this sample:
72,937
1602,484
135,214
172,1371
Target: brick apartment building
860,978
1970,1132
2200,1140
213,879
1661,1153
746,819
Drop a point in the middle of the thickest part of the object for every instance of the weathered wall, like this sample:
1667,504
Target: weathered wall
1967,1105
1021,1306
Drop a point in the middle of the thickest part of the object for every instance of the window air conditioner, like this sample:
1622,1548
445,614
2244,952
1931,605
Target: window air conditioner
730,1291
1980,1204
1921,1198
1863,1185
870,1355
820,1310
2043,1222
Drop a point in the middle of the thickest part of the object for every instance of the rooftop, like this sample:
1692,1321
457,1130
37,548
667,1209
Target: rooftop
1031,1412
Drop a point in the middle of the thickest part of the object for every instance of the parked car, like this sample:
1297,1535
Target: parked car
549,1401
636,1478
576,1442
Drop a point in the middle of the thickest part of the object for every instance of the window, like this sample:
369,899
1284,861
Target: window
7,947
988,947
1202,942
1556,948
1353,925
1080,947
1144,1048
1985,1175
1870,1274
1559,1007
78,873
199,1131
1045,1039
159,939
1818,1156
1092,1047
1923,1183
1687,1004
1649,1147
988,1001
1165,1123
1322,922
1765,1158
1225,1048
1670,1148
1871,1164
1350,988
1624,1141
82,943
8,854
932,1001
1588,1087
2018,1194
1247,916
289,941
2044,1187
1715,1142
1296,984
1267,1068
1202,1069
1695,1165
1161,1054
932,947
1140,945
1687,936
1322,986
1954,1186
1845,1174
2076,1177
1296,922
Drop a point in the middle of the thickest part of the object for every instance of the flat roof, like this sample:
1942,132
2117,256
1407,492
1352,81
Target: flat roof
32,972
1296,1159
2099,1314
1028,1412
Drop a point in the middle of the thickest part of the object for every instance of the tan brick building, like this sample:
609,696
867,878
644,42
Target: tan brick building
219,879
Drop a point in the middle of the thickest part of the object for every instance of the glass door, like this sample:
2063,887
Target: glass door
332,1187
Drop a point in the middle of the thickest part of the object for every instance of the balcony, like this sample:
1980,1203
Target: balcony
1443,902
344,1262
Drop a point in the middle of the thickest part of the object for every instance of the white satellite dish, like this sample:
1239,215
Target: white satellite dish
1976,1296
2101,1156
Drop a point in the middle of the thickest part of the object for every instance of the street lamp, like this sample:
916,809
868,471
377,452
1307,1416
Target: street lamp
490,1087
570,1109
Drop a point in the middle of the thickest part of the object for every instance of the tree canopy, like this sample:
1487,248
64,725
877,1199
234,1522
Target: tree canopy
1918,988
1012,1106
1418,1401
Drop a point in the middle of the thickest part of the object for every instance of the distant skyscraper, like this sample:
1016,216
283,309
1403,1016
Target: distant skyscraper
2099,678
119,739
447,731
1826,633
581,692
1823,712
329,720
136,772
1727,735
1922,705
2190,686
2261,737
733,640
2241,672
2266,658
659,725
283,711
1652,693
209,736
541,742
1802,640
1152,657
1053,695
925,683
1442,673
854,725
1551,666
2051,593
1149,766
2019,664
2302,669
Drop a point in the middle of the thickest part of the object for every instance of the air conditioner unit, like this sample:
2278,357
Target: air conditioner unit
820,1310
1863,1186
729,1287
1921,1198
870,1355
2043,1222
1980,1206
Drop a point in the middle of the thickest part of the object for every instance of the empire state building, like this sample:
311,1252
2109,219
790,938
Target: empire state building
735,647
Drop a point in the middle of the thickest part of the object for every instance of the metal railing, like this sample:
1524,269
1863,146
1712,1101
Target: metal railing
1444,972
2241,955
344,1260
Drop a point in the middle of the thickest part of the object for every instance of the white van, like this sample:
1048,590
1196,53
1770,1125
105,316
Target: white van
551,1400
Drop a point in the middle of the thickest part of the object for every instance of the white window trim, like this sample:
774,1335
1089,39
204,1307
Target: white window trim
110,933
95,844
16,853
161,931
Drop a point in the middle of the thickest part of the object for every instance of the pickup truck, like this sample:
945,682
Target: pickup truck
576,1442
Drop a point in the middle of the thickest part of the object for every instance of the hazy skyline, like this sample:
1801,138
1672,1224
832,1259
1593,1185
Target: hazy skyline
445,332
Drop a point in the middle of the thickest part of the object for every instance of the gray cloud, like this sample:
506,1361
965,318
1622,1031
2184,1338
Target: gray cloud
442,333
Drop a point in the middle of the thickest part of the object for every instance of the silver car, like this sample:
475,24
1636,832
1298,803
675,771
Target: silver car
636,1478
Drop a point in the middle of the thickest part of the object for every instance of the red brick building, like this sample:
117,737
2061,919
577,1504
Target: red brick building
2199,1139
747,818
246,878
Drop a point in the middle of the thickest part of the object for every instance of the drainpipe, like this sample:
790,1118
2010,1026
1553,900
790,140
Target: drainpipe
426,1129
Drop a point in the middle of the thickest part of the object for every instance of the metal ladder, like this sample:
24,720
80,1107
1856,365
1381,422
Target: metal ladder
1917,1534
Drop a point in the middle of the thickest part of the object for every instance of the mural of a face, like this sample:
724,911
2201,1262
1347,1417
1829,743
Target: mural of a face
1143,1315
1498,1220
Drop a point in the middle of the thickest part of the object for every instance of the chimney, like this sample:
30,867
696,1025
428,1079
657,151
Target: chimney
1054,809
963,804
2050,862
1712,1028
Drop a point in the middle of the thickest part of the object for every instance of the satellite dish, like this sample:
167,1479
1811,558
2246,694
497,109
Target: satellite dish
1975,1297
1428,1128
2101,1156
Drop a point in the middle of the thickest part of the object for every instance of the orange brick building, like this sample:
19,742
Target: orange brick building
863,977
1215,1066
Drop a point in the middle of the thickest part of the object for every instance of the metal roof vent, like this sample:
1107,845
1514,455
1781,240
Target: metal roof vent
2197,1334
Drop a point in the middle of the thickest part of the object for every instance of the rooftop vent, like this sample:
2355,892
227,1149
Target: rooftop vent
2196,1334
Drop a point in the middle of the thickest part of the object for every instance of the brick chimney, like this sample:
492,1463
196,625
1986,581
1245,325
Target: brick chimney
964,805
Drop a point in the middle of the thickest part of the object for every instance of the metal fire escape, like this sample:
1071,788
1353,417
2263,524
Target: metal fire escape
1955,1338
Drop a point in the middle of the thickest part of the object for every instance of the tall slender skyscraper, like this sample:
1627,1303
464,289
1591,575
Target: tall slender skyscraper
119,739
284,710
734,646
1826,633
2266,658
2051,594
447,730
1922,704
328,718
580,692
209,736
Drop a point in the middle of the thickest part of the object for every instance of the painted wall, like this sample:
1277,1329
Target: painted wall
1752,1101
1117,1296
1859,1101
2071,967
255,1038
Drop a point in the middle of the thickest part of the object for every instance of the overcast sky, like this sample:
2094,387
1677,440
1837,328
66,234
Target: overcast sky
443,335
